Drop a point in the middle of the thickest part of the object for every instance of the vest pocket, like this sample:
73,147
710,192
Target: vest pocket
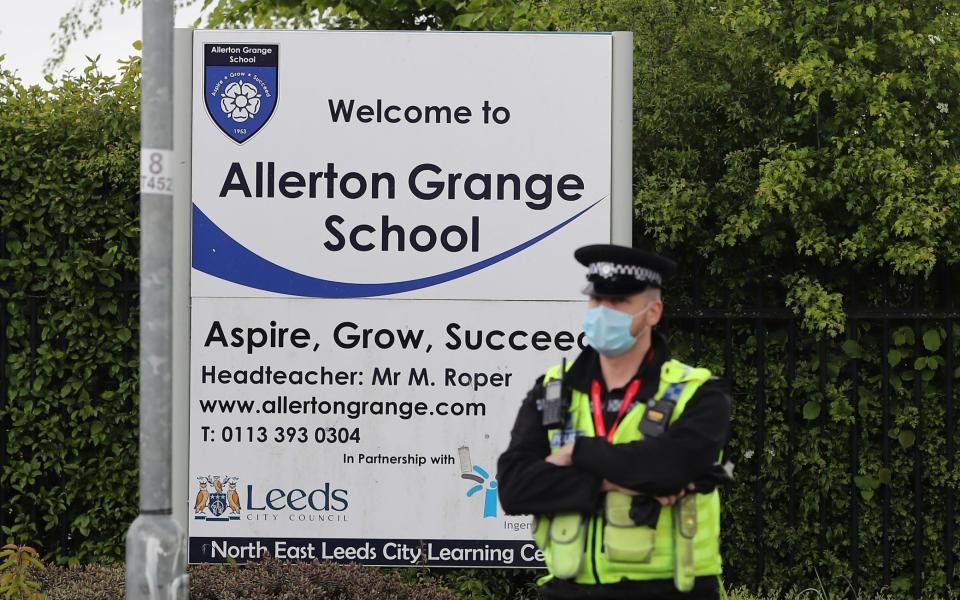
567,536
624,540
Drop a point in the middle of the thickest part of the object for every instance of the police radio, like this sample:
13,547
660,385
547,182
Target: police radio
657,417
554,405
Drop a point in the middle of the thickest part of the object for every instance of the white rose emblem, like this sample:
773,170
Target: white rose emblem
240,101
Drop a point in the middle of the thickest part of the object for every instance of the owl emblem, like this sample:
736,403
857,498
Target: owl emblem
202,496
233,497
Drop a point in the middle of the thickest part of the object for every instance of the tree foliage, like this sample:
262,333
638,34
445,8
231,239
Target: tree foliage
374,14
397,15
812,143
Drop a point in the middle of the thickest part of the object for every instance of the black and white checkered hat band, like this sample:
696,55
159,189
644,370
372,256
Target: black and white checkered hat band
608,270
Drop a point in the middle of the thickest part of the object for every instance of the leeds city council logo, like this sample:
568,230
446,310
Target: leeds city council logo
240,87
218,503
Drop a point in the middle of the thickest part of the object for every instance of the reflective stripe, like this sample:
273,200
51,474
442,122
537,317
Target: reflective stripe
684,530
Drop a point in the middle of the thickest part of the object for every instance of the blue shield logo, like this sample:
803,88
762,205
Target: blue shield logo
217,503
240,86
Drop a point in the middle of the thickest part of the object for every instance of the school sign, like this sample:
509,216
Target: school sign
379,230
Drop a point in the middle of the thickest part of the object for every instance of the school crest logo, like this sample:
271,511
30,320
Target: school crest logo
240,87
217,499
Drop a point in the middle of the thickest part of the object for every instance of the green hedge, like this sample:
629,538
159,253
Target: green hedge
797,157
68,219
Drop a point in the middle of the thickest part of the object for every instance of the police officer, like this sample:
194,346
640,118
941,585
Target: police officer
617,453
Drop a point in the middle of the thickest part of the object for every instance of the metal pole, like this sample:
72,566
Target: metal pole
621,118
155,542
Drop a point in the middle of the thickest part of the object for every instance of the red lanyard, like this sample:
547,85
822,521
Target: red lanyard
599,426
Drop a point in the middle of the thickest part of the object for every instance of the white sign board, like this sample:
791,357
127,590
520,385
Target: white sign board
382,237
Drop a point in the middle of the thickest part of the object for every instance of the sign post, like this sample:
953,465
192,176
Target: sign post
381,248
155,556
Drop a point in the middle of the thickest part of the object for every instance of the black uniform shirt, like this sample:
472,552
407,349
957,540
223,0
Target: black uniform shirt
612,400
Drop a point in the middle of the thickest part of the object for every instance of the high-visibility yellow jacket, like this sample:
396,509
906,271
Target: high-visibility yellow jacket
609,547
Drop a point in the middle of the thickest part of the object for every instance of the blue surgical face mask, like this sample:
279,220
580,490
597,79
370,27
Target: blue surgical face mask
608,330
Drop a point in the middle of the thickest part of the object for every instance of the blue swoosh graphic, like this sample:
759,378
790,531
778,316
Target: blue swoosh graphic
216,253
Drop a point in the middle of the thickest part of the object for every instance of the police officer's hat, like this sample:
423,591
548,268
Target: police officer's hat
618,271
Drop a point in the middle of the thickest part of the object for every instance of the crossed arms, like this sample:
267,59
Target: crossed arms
531,480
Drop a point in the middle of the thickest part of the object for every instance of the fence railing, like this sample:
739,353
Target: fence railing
750,346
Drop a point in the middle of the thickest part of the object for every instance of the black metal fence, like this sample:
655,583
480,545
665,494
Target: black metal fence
738,342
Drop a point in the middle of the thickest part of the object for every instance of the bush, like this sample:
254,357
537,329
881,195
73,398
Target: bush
256,581
68,313
321,581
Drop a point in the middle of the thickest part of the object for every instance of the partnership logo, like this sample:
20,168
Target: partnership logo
218,499
483,481
240,87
